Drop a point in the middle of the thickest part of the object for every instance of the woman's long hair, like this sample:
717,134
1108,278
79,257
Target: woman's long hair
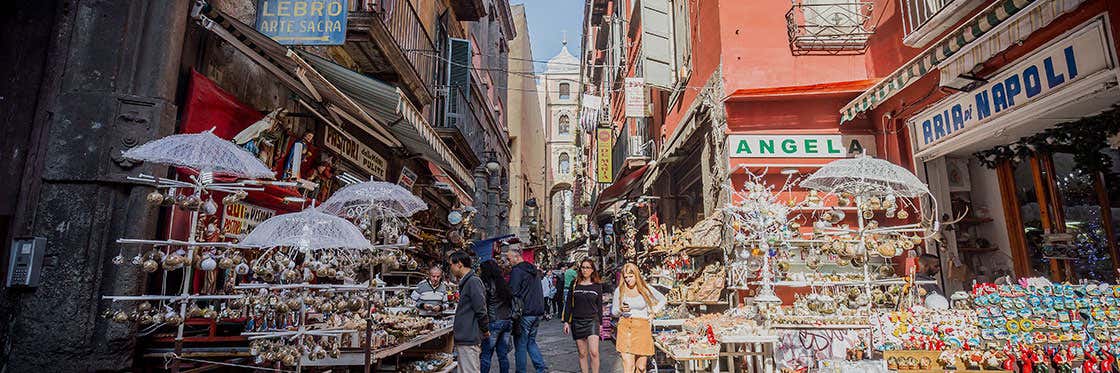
595,277
639,284
491,275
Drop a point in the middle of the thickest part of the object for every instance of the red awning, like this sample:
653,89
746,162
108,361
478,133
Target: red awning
443,177
622,188
853,87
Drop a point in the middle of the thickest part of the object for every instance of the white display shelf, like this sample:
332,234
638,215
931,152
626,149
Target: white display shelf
821,327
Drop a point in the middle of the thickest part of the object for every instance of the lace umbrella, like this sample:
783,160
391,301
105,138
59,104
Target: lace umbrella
374,200
309,229
864,175
202,151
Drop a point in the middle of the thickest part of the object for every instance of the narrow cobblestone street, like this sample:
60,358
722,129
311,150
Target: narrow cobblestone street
560,351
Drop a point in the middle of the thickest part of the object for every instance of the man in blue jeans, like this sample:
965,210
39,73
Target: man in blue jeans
525,284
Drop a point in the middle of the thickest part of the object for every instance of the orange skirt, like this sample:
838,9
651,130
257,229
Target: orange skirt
635,336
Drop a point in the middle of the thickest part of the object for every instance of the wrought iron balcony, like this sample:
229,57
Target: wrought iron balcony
632,147
924,20
398,44
830,26
458,125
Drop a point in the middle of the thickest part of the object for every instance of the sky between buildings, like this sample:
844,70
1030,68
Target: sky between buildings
548,19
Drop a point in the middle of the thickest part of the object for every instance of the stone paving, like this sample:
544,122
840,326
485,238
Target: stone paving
560,352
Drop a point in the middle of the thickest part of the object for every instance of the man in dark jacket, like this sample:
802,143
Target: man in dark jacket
471,319
525,284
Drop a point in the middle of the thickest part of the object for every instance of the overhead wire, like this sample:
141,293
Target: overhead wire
529,75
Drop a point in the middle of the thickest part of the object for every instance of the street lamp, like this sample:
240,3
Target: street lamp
492,164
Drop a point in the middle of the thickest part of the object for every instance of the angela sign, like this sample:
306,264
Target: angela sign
1074,57
303,22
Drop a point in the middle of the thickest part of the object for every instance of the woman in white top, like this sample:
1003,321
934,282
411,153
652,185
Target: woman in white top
635,303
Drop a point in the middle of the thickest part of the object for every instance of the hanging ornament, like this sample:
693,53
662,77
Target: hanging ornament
119,259
150,266
208,264
225,263
155,198
210,208
242,269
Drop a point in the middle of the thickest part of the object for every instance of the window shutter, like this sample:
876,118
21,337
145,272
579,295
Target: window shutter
658,64
458,79
682,39
459,75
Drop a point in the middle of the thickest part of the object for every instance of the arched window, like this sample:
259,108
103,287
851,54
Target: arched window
565,124
565,164
565,91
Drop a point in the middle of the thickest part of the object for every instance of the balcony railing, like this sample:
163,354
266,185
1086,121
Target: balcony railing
407,28
632,145
458,115
830,26
917,13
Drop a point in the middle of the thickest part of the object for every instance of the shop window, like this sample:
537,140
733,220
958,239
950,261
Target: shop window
1065,211
565,125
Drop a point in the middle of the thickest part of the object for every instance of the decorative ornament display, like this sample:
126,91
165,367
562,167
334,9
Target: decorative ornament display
1084,138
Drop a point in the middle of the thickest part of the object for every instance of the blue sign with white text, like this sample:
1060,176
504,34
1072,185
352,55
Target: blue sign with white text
1070,59
303,22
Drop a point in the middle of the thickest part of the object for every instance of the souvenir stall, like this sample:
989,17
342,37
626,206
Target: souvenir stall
808,265
299,289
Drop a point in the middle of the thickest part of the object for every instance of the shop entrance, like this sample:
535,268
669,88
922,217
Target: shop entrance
1063,207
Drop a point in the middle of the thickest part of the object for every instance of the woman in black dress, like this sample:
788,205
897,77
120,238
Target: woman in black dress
583,311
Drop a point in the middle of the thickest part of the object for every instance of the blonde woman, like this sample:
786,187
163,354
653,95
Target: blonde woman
635,303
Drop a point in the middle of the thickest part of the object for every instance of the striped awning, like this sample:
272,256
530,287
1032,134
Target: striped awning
388,104
1040,13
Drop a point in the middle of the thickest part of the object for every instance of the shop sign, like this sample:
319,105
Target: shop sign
604,173
798,146
240,218
1055,67
407,179
303,22
355,151
635,90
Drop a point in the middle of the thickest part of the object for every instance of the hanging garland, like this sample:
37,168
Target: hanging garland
1084,138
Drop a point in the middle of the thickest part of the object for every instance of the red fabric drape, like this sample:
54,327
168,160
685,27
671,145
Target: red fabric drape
209,106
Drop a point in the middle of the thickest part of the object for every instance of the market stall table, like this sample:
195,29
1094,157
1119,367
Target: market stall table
690,363
755,353
356,357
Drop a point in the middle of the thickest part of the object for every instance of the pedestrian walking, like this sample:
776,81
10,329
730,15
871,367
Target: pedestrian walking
583,312
561,294
569,277
499,302
634,302
549,292
471,319
528,307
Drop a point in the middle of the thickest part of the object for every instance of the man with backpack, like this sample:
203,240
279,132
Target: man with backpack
528,307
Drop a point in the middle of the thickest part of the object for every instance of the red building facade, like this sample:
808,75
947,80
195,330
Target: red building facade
1004,109
895,79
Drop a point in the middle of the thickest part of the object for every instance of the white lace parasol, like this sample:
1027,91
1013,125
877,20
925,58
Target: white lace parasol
864,175
375,200
202,151
308,229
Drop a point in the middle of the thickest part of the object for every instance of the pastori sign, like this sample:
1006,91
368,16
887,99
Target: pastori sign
795,146
1070,59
